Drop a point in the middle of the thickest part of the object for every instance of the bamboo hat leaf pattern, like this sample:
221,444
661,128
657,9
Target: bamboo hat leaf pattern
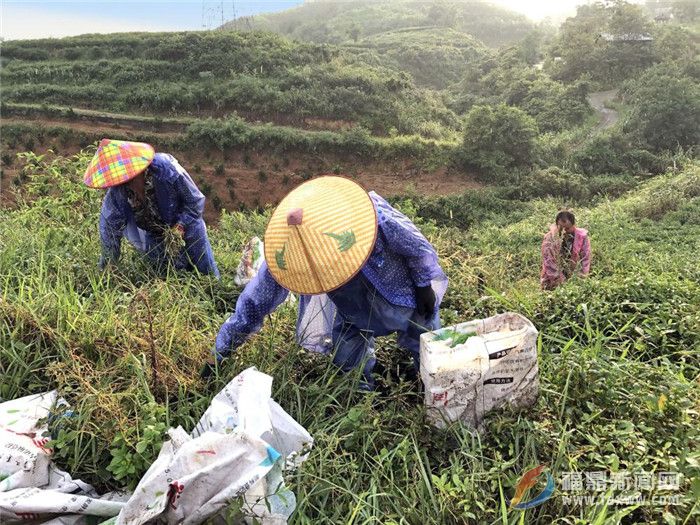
346,240
279,258
320,235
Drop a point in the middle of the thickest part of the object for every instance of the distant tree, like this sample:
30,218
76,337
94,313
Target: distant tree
498,138
625,58
603,40
553,105
578,49
530,46
674,43
686,10
665,109
442,14
354,32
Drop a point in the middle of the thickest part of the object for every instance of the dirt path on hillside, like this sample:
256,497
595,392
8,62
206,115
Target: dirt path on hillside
103,128
608,116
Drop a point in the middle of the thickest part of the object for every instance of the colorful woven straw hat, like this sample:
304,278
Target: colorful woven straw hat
320,235
116,162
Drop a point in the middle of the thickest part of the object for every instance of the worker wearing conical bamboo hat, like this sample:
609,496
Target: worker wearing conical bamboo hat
361,267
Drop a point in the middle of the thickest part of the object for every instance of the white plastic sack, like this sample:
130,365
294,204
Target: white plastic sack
495,366
251,261
238,448
193,479
31,487
246,402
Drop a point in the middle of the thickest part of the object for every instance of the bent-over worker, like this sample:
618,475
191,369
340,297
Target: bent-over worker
362,269
149,193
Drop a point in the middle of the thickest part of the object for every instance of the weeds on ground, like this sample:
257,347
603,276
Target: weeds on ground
618,361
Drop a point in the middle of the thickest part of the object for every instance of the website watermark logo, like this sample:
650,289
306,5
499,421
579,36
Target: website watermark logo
581,489
527,481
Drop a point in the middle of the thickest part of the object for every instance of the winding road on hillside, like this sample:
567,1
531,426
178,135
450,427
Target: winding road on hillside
608,116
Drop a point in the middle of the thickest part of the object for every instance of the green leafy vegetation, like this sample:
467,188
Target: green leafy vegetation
609,42
331,21
262,75
499,138
434,58
664,109
509,77
454,336
404,83
618,356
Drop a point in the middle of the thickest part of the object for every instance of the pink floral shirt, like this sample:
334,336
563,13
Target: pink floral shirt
552,274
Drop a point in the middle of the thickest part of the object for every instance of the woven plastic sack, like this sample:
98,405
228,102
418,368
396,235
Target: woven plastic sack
251,261
474,367
238,449
31,487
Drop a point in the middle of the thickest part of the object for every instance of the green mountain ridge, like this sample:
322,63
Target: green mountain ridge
337,22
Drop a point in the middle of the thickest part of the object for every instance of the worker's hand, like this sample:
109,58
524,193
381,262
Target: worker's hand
425,301
179,229
208,370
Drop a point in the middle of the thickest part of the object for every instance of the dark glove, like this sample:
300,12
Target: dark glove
425,301
208,370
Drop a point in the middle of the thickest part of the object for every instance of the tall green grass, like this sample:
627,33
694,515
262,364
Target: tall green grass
618,360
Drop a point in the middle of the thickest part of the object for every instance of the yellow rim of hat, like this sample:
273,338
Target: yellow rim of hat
320,235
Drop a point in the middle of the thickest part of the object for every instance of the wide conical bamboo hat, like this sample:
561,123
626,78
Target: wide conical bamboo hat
320,235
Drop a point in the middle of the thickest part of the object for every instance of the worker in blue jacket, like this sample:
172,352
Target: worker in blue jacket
362,270
147,194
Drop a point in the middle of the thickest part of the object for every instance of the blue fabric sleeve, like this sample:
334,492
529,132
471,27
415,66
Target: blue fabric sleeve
404,238
259,298
192,199
112,224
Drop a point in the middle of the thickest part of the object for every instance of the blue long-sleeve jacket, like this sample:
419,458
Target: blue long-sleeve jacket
179,201
402,259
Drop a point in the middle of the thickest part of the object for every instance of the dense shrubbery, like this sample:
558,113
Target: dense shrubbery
583,48
262,75
667,194
466,209
664,109
498,138
614,152
555,182
434,58
235,133
510,78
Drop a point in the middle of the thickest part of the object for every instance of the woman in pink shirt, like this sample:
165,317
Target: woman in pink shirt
566,250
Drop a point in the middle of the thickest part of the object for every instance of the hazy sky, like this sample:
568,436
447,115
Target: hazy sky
54,18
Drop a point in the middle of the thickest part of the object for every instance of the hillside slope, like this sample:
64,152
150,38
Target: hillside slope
261,76
337,21
435,58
